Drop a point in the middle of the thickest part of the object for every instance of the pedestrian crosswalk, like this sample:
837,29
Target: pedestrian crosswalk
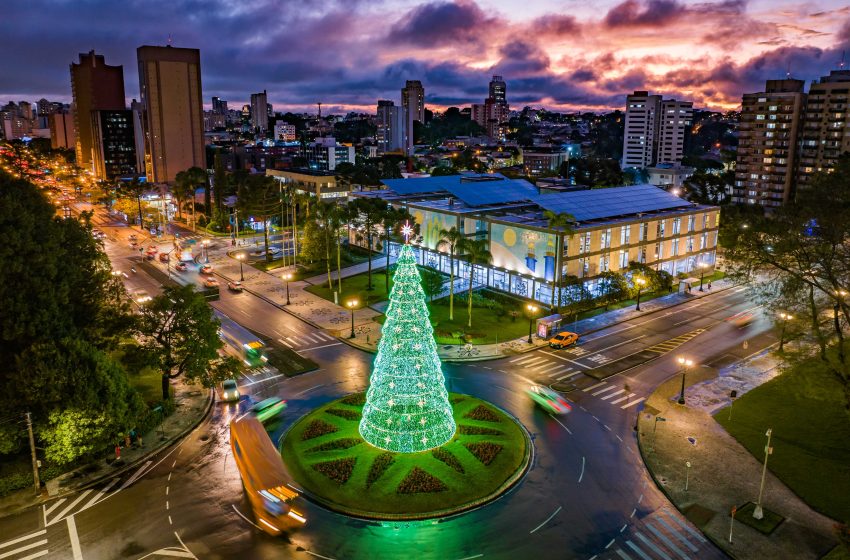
605,391
553,370
662,535
306,341
26,547
673,343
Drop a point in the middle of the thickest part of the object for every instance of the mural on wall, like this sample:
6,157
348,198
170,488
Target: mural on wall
523,250
430,224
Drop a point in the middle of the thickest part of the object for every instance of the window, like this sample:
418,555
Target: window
644,231
584,242
703,239
624,259
603,262
676,225
705,220
660,228
689,246
625,233
691,222
675,248
605,239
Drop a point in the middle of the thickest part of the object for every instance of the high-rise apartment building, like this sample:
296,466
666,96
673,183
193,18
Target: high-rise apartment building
413,107
95,86
138,113
767,143
114,152
284,132
675,122
655,129
493,113
259,111
825,130
219,105
498,90
62,133
390,121
170,83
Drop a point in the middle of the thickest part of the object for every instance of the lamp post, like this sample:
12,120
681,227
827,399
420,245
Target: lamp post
785,318
287,277
758,513
241,257
532,309
206,245
684,363
702,267
352,303
640,283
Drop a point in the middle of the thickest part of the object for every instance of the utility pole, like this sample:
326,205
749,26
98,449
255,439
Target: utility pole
36,483
758,513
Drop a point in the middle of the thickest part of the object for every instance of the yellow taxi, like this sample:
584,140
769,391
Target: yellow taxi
563,339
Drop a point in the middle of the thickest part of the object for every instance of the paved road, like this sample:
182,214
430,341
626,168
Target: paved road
586,496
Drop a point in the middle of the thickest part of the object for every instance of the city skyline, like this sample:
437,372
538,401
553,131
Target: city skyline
711,53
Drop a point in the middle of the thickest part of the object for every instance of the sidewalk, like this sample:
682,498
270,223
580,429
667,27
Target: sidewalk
723,473
192,402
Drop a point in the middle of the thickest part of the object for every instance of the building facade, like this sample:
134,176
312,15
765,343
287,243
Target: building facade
219,105
390,126
767,144
259,111
95,86
324,154
675,123
170,83
284,132
413,109
655,129
62,133
539,160
114,152
825,130
322,184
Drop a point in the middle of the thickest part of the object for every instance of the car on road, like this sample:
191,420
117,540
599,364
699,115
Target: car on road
268,408
549,399
235,286
563,339
181,266
206,269
133,237
229,391
211,282
141,296
163,257
742,319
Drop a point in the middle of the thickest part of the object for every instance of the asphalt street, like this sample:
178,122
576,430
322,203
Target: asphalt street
587,494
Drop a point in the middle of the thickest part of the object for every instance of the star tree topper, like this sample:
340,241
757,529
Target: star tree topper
407,231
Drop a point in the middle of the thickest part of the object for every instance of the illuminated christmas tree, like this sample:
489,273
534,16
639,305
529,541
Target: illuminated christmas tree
407,407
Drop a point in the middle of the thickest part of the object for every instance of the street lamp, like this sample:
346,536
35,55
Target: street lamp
352,303
532,309
287,277
206,245
758,513
785,318
640,283
241,257
684,363
702,267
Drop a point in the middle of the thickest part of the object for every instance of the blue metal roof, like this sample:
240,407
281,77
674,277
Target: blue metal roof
595,204
471,189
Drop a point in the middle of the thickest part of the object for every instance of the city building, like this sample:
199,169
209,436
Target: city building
95,86
825,130
46,108
138,111
498,90
310,181
390,123
170,83
655,129
767,143
259,111
413,109
114,150
493,113
284,132
324,154
13,124
537,160
668,176
62,134
214,120
614,226
219,105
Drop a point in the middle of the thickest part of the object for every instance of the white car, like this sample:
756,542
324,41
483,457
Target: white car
141,296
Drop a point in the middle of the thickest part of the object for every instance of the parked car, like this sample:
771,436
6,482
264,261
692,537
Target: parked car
163,257
563,339
181,266
549,400
211,282
235,286
229,391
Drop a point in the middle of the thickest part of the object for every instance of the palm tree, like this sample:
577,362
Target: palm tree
197,176
451,237
338,218
560,221
181,189
324,217
476,253
369,213
390,220
134,191
259,196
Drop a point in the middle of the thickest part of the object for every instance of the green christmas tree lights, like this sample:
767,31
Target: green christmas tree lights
407,407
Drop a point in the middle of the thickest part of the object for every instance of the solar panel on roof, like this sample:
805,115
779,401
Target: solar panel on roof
604,203
482,194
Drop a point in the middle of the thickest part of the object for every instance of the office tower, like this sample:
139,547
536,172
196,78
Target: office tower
675,122
413,107
641,130
170,84
219,105
62,133
825,130
284,132
259,111
498,90
114,152
95,86
767,143
390,121
138,113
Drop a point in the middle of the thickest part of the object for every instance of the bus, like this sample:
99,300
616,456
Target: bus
241,341
264,477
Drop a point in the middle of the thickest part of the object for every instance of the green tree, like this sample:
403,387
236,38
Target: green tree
181,190
134,190
562,222
451,238
197,176
259,197
432,282
391,220
594,172
180,330
367,215
220,180
476,253
612,287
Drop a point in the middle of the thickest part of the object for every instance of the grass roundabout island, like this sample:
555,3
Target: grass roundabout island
326,455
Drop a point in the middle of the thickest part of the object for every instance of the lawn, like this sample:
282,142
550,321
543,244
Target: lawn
354,287
308,270
488,326
345,481
148,382
805,409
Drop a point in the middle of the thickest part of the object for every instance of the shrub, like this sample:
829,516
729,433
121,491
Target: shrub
343,413
446,457
482,413
317,428
357,399
343,443
379,466
418,481
338,470
484,451
465,430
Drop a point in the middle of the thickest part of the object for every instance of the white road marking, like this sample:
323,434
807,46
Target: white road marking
612,541
318,555
604,390
285,343
100,494
614,394
651,545
573,375
75,540
169,520
521,358
564,377
618,344
558,370
239,513
167,488
676,534
632,403
559,422
308,390
319,347
38,554
70,507
582,470
51,508
621,399
539,367
693,533
166,505
135,476
24,538
269,378
472,557
23,548
606,427
568,360
634,511
623,555
595,386
548,519
619,438
640,553
533,360
666,541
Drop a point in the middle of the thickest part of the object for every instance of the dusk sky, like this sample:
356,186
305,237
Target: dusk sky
564,55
